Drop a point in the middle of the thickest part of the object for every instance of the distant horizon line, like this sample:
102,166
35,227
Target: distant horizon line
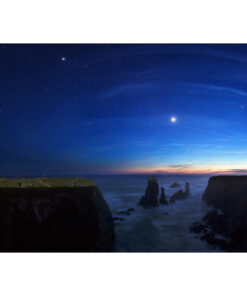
115,174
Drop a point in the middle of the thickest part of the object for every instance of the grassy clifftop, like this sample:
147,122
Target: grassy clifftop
53,215
45,182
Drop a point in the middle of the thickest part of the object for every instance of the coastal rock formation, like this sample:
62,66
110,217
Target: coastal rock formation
181,194
187,188
130,209
126,213
172,200
175,185
228,195
163,199
150,199
53,215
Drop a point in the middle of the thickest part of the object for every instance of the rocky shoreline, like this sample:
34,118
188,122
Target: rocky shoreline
71,215
226,225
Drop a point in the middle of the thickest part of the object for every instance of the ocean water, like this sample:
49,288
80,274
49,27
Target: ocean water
161,229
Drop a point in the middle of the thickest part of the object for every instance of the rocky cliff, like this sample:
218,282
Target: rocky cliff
228,195
150,199
52,214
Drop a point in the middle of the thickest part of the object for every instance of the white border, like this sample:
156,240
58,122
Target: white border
128,21
97,21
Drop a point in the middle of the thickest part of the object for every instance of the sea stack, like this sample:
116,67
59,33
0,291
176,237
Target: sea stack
175,185
150,199
54,215
163,199
181,194
187,188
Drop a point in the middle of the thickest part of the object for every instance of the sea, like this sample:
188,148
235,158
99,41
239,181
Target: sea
160,229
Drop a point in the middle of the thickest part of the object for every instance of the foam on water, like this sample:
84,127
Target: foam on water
162,229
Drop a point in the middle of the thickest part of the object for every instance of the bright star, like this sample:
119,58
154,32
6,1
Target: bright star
63,59
173,119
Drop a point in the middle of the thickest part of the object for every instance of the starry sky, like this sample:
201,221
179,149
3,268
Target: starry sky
77,109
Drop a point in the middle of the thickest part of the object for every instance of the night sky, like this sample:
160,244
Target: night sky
109,109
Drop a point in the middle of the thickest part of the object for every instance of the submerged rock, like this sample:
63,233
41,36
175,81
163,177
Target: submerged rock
163,199
131,210
126,213
118,219
216,221
54,215
197,227
175,185
150,199
172,200
178,195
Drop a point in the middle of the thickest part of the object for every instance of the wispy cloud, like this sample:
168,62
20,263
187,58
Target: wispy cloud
130,88
237,171
179,166
219,88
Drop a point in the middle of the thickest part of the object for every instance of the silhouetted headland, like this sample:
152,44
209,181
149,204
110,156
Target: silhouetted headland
54,214
228,196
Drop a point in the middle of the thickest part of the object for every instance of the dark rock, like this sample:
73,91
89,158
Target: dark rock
118,219
150,199
211,238
216,221
126,213
178,195
131,210
209,235
163,199
54,219
172,200
187,188
197,227
182,194
175,185
229,195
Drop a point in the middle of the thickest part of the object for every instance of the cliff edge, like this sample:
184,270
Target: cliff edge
54,215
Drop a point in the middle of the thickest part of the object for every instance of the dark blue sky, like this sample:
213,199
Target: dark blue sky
86,109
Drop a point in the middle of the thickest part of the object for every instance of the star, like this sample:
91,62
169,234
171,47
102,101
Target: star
63,59
173,119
